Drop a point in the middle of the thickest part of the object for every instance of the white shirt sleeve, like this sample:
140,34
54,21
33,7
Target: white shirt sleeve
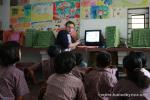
146,72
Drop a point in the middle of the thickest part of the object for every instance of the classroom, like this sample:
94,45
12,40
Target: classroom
75,49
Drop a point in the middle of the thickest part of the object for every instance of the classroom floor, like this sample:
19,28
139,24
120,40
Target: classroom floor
34,88
34,91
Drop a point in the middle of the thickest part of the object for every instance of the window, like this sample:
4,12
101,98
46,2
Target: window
137,18
137,21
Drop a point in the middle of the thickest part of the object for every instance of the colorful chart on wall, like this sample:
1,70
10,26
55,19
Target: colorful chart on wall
130,3
20,14
118,12
42,25
22,26
39,1
42,1
20,17
42,12
95,9
15,13
55,25
85,12
26,15
66,9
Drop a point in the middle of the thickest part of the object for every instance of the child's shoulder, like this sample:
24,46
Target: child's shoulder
12,71
16,71
73,77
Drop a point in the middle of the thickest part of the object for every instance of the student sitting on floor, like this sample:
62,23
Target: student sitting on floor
13,85
136,86
100,80
79,71
144,61
48,65
63,85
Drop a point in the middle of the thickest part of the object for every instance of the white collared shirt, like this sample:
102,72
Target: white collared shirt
146,72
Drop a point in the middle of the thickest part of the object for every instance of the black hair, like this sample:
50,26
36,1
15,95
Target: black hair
79,58
9,53
142,56
69,22
53,50
133,64
103,59
64,62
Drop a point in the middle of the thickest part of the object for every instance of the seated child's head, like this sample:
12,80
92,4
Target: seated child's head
53,51
10,53
64,62
132,62
141,56
103,59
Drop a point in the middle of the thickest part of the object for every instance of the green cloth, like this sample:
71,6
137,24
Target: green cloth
39,39
44,39
112,36
140,38
29,37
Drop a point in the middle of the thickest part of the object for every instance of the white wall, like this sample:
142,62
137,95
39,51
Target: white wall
4,14
101,24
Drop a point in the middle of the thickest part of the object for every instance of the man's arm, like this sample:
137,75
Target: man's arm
73,45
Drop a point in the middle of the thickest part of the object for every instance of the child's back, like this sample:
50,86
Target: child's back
12,83
64,85
101,80
136,86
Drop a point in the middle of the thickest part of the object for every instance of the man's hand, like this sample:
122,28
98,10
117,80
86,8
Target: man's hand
78,42
74,45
